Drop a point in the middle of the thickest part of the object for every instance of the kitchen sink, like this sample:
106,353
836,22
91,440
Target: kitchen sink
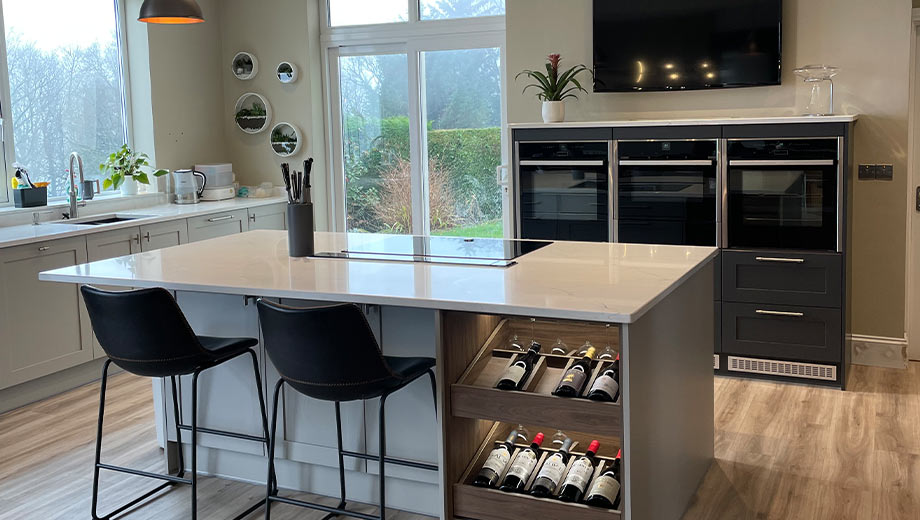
102,220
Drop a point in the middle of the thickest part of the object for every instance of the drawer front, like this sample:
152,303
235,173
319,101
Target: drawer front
217,225
782,332
791,279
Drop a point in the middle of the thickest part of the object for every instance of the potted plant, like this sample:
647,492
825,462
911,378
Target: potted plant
554,87
283,143
123,170
252,118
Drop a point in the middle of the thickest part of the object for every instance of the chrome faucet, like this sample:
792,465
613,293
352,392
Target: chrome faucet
75,157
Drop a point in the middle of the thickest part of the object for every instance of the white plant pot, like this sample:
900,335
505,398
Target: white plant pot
553,111
129,186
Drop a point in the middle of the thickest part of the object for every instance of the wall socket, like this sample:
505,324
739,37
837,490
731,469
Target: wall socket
879,172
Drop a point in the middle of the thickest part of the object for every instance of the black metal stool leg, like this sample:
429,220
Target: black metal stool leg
434,389
272,479
194,443
98,458
178,420
271,450
338,429
383,454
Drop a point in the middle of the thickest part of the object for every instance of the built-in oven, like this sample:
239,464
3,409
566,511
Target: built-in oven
667,192
563,190
784,194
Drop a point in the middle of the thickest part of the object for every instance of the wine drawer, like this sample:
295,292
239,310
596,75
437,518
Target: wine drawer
476,397
491,504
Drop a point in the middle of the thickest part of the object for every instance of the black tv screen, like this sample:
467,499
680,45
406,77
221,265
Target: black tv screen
686,44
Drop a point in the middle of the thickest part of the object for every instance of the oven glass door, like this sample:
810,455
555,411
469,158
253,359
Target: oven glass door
673,202
782,206
562,202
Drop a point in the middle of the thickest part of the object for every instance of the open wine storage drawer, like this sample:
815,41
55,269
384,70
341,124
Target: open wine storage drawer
475,395
491,504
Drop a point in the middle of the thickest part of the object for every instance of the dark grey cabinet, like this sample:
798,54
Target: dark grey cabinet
812,279
782,331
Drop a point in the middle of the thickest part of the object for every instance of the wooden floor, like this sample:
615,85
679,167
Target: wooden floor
782,452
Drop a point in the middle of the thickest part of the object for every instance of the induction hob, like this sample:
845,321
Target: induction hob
487,252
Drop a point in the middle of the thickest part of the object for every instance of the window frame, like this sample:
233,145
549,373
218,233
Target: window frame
7,137
412,38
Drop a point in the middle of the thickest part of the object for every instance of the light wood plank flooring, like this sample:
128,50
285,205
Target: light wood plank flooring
782,452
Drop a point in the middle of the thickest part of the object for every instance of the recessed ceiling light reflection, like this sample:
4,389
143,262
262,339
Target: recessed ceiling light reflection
669,66
710,75
674,76
641,69
705,65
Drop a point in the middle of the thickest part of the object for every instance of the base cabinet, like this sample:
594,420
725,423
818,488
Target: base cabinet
165,234
217,225
268,217
45,326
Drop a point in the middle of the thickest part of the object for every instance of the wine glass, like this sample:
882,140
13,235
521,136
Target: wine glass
523,434
516,344
559,438
608,353
583,351
559,348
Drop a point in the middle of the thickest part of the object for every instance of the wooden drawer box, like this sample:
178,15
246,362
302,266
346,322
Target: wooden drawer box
782,332
476,397
812,279
491,504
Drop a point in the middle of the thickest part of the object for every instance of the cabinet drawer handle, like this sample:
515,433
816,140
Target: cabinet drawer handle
44,248
781,313
218,219
780,260
252,218
147,236
137,239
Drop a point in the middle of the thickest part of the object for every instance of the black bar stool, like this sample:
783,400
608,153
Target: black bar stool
145,333
330,353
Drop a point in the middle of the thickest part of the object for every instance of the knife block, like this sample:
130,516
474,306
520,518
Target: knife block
300,230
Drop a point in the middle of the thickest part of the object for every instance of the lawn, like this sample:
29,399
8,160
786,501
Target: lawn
491,229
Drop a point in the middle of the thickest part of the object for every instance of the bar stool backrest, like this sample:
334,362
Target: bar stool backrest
143,331
327,353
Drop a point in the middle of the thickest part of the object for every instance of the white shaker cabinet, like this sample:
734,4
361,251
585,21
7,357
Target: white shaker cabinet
111,244
45,325
273,216
217,225
164,234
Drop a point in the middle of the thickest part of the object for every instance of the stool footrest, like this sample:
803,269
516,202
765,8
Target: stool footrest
169,478
224,433
321,507
391,460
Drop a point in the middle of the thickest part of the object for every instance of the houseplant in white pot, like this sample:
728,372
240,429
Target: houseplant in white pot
554,87
123,171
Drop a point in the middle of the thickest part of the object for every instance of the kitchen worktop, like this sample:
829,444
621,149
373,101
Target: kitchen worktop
607,282
703,121
27,234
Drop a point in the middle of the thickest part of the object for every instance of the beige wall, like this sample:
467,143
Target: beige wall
275,31
869,40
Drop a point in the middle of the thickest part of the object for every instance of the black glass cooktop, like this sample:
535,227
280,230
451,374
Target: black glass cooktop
489,252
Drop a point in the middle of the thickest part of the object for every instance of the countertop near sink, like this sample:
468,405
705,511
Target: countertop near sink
28,234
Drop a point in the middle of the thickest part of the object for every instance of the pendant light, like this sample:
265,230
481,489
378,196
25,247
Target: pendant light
171,12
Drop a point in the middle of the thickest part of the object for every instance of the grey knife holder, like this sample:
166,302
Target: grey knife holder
30,197
300,230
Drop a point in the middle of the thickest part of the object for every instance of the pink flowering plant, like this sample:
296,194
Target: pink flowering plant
554,85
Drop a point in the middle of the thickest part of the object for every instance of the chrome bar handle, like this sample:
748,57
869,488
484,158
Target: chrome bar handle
780,260
561,163
675,162
782,162
219,219
780,313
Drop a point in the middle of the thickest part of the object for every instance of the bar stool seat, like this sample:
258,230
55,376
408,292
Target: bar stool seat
223,348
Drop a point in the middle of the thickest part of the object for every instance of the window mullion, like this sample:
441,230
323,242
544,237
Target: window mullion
414,11
420,221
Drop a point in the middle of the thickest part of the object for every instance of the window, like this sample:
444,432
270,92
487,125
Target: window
366,12
66,88
416,109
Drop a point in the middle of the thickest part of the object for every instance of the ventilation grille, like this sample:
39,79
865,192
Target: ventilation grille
715,361
782,368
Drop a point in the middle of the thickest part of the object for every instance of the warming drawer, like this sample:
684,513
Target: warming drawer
782,331
811,279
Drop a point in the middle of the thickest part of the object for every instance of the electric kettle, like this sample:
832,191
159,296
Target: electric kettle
187,187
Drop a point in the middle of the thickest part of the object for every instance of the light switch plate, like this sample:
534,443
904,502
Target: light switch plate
884,172
866,172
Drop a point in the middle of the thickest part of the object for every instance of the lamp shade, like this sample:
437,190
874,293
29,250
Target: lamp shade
171,12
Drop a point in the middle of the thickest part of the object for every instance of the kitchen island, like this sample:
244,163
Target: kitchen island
650,304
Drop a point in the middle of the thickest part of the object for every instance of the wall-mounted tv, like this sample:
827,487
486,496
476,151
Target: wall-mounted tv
668,45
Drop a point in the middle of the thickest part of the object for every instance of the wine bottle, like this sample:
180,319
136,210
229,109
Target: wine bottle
522,466
607,385
574,379
496,463
516,375
551,473
573,487
605,491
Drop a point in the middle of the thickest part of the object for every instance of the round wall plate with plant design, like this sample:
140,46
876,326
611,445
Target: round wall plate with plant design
253,113
244,66
286,72
286,139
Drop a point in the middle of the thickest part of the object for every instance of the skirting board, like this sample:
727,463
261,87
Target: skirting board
878,351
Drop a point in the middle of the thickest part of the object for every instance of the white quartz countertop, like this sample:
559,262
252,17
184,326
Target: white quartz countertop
29,234
770,120
614,283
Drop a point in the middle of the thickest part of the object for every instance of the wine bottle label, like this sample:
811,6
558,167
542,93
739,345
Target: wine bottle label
580,474
523,464
575,379
607,384
605,486
552,469
515,373
497,460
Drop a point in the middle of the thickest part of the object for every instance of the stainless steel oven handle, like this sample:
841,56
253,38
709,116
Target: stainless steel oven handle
676,162
803,162
780,260
562,163
781,313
